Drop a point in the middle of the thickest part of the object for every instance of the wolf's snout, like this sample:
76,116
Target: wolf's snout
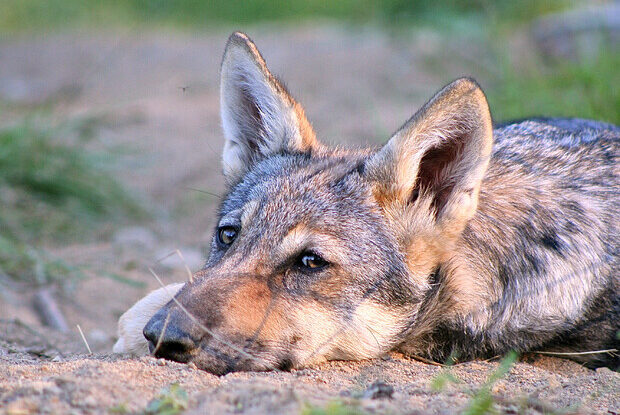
168,339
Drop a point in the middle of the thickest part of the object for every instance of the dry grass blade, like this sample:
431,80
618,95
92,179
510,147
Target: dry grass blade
427,361
577,353
84,339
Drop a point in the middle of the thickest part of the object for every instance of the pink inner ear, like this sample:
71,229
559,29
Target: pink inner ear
437,172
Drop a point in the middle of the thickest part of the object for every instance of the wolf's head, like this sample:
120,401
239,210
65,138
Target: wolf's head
323,253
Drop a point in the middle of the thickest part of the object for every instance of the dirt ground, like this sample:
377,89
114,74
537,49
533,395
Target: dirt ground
156,96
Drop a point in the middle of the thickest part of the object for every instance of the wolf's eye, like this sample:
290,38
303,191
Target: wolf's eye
226,235
311,261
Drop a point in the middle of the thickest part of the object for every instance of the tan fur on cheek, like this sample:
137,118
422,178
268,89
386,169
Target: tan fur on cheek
326,335
254,311
370,333
315,329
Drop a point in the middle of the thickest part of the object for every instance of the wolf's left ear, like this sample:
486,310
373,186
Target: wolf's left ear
439,155
259,116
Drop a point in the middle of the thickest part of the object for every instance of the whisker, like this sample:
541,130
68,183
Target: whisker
373,335
165,256
203,191
161,336
611,351
189,272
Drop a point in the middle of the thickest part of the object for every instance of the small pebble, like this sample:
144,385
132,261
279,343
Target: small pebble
162,362
378,390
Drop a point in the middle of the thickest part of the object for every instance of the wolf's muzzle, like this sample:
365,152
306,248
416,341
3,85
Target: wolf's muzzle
167,339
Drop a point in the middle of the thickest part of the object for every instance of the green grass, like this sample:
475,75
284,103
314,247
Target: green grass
584,89
171,401
587,89
24,15
481,401
52,190
519,81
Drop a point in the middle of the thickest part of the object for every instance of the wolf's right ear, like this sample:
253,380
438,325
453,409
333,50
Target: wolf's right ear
439,156
259,117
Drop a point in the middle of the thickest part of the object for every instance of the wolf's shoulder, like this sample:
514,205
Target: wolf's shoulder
565,132
571,150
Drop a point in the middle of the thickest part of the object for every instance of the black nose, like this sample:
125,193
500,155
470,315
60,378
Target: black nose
168,340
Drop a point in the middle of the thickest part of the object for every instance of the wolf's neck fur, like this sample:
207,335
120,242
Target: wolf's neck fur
533,256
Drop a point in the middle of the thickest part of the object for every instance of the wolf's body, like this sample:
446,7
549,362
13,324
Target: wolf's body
544,244
452,239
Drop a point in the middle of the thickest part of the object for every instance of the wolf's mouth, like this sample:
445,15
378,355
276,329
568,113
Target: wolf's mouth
219,362
213,359
175,353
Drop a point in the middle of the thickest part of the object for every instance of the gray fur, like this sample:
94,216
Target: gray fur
527,251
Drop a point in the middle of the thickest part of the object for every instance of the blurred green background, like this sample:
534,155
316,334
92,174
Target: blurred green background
28,14
584,85
55,187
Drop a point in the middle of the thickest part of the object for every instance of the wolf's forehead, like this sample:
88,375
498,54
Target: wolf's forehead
288,199
319,195
286,180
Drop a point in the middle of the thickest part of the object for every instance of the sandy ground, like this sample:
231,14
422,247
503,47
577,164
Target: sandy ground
156,95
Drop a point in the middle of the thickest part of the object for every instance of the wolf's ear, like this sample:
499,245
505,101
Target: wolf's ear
439,155
259,116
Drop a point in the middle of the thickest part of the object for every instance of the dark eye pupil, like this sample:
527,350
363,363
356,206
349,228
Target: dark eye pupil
227,235
312,261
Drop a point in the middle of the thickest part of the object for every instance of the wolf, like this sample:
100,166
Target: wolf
454,240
